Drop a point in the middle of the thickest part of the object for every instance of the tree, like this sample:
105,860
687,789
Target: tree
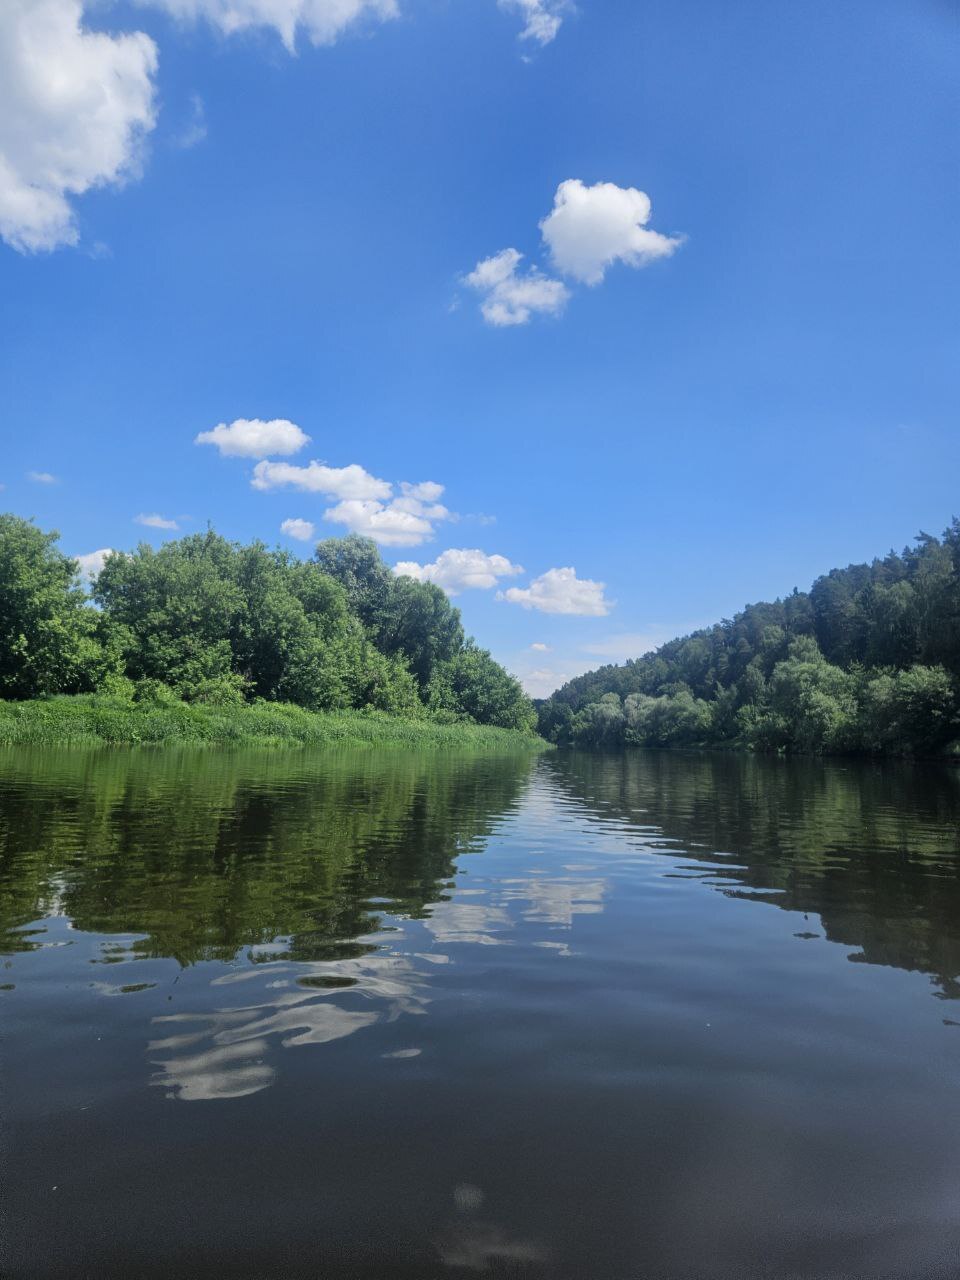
204,610
355,563
472,685
419,622
913,711
810,704
48,632
868,660
179,606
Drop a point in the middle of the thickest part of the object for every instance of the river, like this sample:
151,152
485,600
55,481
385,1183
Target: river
368,1015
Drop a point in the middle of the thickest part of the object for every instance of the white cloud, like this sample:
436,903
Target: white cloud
324,21
367,505
302,530
91,563
589,228
75,106
460,569
351,483
510,298
155,522
404,522
42,477
414,507
321,21
541,18
254,438
561,591
425,491
539,647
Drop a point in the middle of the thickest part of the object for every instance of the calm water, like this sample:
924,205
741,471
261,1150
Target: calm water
371,1016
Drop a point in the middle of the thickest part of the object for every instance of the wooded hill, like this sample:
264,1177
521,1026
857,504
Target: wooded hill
867,660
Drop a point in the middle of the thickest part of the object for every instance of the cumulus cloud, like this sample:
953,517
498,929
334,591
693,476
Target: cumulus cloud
425,491
539,647
590,228
366,504
402,522
75,106
561,591
302,530
92,562
321,21
42,477
352,483
541,18
587,230
155,522
460,569
254,438
510,297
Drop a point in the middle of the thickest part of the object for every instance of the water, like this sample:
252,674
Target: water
369,1015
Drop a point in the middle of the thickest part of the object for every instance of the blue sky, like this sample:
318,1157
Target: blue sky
201,227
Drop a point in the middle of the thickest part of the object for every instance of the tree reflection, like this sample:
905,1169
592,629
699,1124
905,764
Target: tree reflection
873,849
203,853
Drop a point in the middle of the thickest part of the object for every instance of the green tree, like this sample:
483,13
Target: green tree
178,606
356,564
419,622
474,686
867,660
913,710
48,631
203,613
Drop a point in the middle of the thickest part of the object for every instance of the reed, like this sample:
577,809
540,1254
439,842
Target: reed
102,718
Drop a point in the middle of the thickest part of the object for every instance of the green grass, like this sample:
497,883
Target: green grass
101,718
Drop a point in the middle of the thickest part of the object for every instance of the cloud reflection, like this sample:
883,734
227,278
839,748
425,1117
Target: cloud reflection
225,1053
236,1040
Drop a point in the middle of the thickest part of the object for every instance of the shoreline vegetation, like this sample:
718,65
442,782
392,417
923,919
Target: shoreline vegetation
110,720
867,662
206,640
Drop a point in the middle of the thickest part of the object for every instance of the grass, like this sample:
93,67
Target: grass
101,718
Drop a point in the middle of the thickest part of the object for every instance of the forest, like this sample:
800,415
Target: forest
206,622
865,662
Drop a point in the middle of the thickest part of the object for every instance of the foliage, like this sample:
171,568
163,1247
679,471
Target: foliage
355,563
108,718
215,623
49,639
471,686
867,661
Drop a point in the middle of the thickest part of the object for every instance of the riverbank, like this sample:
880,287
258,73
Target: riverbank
100,718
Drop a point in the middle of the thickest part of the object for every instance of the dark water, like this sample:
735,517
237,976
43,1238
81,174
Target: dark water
371,1016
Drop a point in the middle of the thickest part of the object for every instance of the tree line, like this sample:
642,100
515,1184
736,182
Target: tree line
866,661
204,619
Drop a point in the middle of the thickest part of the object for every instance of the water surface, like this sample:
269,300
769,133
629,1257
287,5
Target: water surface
375,1015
